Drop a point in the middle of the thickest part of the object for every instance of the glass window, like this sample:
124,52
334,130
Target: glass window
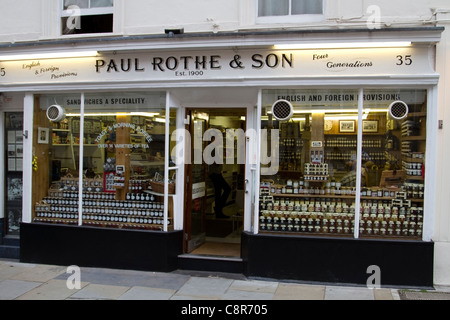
289,7
87,16
394,146
86,4
308,182
118,147
307,7
312,165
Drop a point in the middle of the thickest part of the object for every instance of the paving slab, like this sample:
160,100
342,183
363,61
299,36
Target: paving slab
255,286
10,269
290,291
129,278
424,295
348,293
187,298
51,290
12,289
247,295
144,293
99,292
383,294
207,288
40,273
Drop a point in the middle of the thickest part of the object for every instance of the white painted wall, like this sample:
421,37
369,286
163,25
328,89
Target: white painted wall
27,20
442,214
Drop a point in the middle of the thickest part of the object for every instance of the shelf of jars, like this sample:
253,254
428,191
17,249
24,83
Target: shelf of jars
384,212
100,209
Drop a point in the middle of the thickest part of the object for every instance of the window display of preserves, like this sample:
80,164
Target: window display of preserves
100,209
315,190
117,146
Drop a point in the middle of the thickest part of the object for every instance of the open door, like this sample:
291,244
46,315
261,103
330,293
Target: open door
209,230
195,213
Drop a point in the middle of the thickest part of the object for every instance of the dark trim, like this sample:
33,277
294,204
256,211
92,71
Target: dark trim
278,257
100,248
2,229
233,35
334,260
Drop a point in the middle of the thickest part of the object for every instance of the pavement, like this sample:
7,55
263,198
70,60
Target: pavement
20,281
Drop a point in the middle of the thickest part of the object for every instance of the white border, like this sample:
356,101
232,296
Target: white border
2,170
28,116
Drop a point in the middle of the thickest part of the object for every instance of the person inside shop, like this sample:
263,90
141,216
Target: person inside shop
222,189
349,180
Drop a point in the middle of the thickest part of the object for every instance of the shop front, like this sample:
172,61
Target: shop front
284,163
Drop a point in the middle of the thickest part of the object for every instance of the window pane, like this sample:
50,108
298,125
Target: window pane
273,8
102,3
392,202
88,24
307,6
56,139
311,188
86,4
83,4
124,147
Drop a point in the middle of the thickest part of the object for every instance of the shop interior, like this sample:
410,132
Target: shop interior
122,167
314,191
215,233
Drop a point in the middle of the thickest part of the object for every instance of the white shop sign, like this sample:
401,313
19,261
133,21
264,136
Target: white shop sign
221,65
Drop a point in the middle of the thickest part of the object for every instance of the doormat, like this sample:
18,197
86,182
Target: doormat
419,295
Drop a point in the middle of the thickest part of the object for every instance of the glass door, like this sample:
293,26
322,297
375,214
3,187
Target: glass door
196,177
215,182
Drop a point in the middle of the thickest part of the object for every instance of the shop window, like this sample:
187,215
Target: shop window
311,177
393,159
289,10
13,169
87,16
120,153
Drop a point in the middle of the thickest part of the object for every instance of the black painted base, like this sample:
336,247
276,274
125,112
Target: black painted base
2,229
101,248
331,260
304,259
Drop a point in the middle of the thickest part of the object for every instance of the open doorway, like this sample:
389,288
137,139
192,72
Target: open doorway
214,208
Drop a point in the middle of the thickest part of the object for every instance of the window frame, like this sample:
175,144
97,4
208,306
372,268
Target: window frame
290,18
428,203
86,12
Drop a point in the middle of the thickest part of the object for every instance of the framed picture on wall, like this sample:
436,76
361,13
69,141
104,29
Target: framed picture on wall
43,135
347,126
370,126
